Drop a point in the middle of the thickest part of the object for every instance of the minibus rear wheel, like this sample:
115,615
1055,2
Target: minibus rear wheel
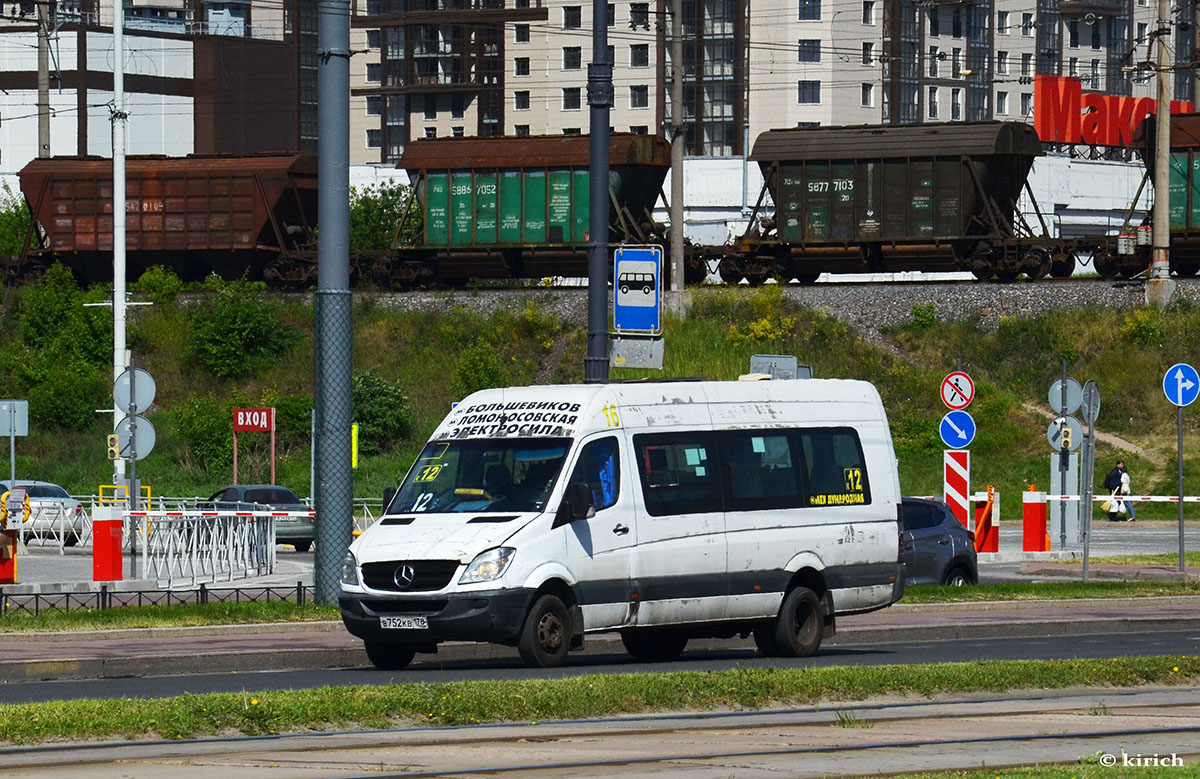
546,636
801,623
389,657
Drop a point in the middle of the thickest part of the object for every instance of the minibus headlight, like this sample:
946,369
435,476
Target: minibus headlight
349,570
488,566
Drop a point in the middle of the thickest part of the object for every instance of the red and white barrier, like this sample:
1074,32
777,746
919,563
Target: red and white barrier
957,484
1033,522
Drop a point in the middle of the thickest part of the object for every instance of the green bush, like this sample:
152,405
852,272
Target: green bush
14,221
924,316
478,367
293,418
203,431
237,330
158,283
68,396
382,411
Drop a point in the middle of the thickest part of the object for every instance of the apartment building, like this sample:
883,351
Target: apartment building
206,77
747,68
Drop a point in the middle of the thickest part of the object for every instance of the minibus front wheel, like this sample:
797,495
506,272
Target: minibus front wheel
801,623
389,657
546,635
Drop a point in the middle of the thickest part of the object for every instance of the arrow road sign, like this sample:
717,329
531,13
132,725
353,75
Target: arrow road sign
1181,384
958,390
957,429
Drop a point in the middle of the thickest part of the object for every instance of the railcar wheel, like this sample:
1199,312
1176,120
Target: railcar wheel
1105,266
983,274
801,624
1062,266
807,278
546,635
1008,275
729,272
1185,268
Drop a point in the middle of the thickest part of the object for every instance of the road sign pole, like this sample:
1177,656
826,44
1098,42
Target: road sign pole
1179,457
1062,469
12,444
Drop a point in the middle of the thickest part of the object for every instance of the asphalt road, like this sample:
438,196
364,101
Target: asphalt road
50,565
708,656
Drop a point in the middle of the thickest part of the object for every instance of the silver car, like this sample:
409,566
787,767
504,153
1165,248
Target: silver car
52,512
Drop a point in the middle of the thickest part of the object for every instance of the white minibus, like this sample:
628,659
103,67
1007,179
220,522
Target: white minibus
662,511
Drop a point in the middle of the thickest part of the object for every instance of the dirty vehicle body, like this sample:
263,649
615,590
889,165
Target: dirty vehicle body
664,511
197,215
519,206
933,197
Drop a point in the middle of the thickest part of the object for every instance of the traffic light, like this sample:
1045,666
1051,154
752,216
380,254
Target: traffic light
114,447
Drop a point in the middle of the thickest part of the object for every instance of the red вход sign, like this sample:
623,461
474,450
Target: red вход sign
258,420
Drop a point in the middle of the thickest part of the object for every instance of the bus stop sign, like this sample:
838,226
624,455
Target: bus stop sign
637,290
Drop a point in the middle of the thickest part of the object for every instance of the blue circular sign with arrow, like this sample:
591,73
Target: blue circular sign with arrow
1181,384
957,429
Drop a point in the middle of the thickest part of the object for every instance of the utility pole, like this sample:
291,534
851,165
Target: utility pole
1160,287
43,78
120,122
334,490
677,140
600,100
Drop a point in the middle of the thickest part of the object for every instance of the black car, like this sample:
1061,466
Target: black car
297,531
937,548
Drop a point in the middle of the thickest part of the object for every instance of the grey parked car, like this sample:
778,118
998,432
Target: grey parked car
297,531
937,548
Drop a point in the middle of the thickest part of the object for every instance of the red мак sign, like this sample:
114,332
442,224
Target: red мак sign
1064,114
260,420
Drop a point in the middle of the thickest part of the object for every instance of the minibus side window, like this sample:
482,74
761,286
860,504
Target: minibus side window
599,467
679,473
760,470
835,470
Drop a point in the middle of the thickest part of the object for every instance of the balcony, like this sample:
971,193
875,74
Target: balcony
1074,8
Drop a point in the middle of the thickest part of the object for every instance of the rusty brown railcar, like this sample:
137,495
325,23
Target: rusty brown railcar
197,215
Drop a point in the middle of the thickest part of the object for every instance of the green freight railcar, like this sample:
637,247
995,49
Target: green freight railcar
1131,252
929,197
519,207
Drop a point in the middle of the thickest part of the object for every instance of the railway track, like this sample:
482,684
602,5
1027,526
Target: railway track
866,738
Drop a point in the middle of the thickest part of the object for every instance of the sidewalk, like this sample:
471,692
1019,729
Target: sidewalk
238,648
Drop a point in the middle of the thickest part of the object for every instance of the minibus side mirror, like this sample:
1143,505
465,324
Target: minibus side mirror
576,504
388,494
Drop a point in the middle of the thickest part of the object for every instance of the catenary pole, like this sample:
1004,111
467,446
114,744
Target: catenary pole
1160,287
677,140
600,98
43,79
333,493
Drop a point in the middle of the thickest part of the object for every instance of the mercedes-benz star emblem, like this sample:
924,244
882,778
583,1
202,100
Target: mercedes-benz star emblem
404,575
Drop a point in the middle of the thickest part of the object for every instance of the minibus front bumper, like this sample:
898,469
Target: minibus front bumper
494,616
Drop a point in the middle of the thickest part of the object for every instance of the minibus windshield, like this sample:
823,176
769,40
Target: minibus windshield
482,475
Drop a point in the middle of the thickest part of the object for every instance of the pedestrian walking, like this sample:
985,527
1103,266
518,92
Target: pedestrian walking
1117,484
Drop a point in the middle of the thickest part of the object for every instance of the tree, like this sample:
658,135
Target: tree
376,210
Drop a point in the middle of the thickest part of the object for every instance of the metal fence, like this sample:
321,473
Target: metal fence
189,548
104,598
